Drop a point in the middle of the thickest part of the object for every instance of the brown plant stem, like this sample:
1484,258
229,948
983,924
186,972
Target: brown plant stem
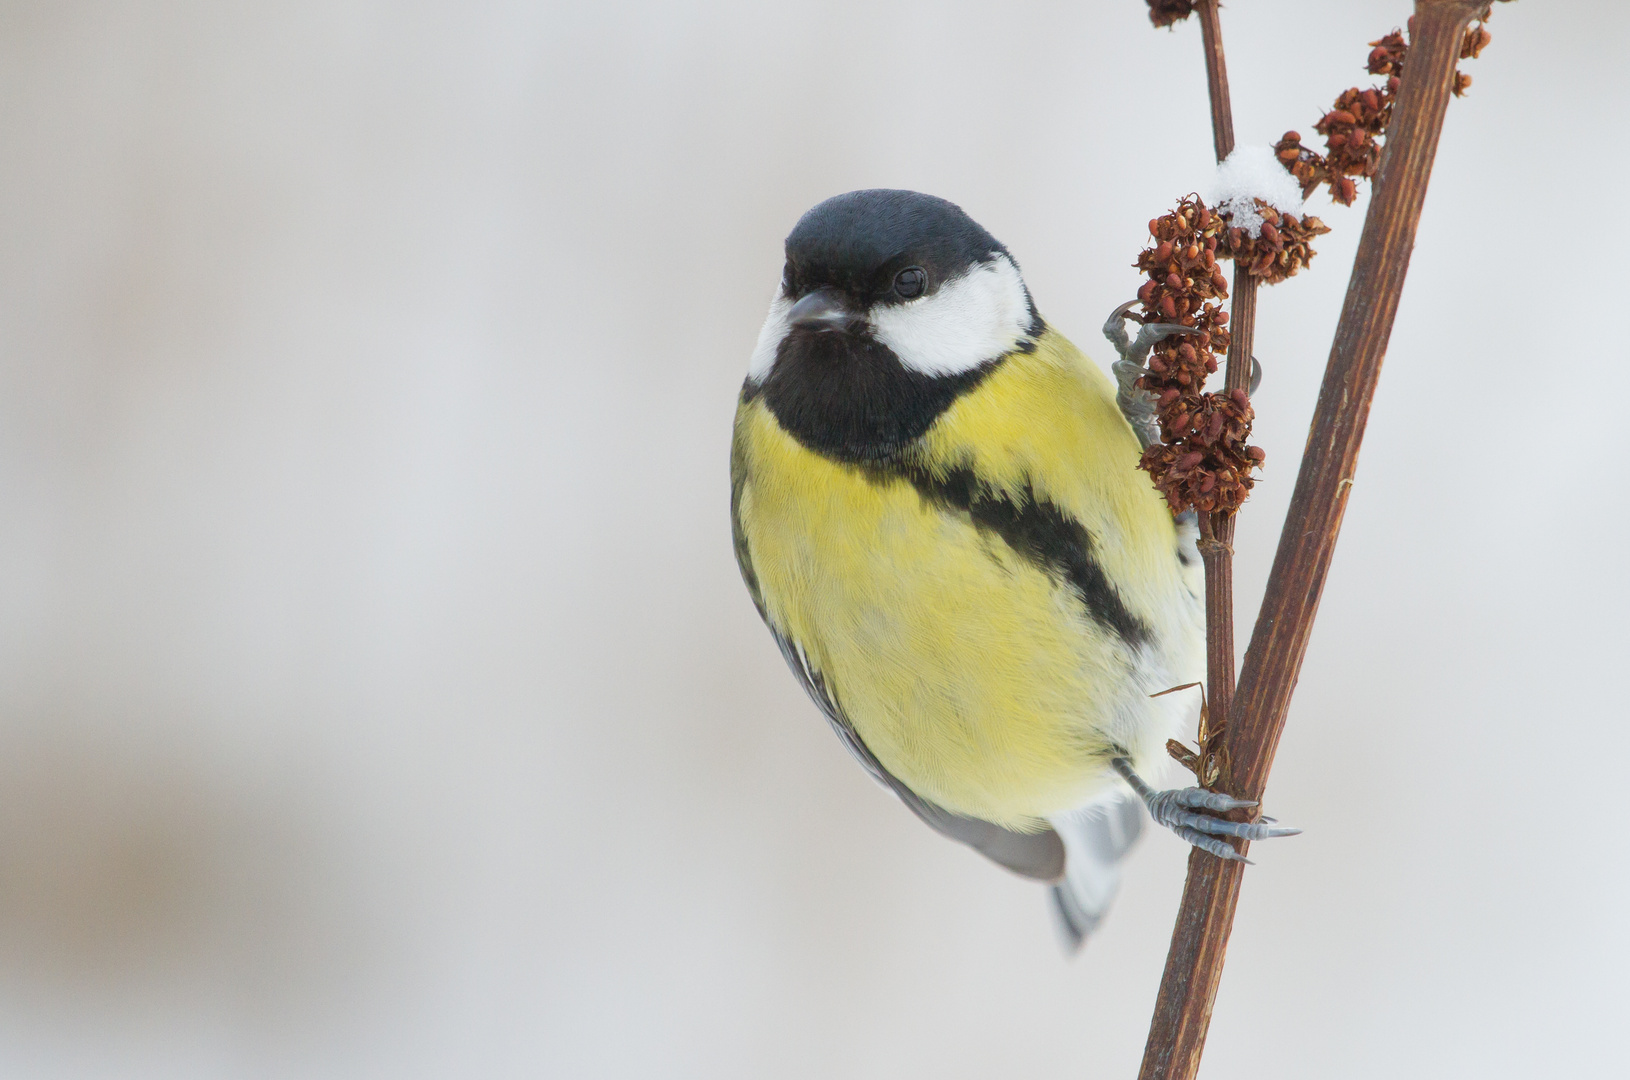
1185,1002
1273,661
1217,530
1222,112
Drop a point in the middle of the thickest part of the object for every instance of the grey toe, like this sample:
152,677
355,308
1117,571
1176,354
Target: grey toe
1182,811
1245,830
1115,326
1149,334
1215,845
1197,798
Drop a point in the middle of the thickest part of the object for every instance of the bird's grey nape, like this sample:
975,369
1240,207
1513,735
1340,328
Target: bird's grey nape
1175,808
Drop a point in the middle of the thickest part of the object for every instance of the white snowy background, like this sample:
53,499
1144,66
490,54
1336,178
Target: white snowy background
378,697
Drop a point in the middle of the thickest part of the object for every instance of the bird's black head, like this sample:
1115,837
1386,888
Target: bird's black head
860,242
892,304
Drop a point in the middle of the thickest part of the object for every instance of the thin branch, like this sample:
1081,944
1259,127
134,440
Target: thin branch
1222,112
1279,641
1181,1018
1217,530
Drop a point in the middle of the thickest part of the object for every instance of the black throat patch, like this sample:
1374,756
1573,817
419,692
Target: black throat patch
846,396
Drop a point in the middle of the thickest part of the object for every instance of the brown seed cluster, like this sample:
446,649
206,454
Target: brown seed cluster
1281,248
1351,129
1167,12
1354,126
1470,49
1202,460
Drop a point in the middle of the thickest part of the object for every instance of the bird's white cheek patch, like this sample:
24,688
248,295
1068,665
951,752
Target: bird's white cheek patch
969,320
769,339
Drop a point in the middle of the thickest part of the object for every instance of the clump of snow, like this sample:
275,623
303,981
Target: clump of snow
1251,173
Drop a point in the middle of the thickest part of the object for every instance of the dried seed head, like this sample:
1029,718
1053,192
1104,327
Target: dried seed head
1359,118
1278,253
1477,37
1201,460
1167,12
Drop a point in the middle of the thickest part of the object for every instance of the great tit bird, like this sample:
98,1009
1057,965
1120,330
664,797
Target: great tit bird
938,513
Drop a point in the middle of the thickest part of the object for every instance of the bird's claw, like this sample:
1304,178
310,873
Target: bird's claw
1176,809
1137,405
1134,352
1216,845
1115,326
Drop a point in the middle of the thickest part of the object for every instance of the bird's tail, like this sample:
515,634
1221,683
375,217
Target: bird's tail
1096,840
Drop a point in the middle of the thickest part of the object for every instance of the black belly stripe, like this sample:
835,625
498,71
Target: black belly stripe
1041,533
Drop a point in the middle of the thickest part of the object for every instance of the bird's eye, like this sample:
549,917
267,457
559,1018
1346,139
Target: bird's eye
909,282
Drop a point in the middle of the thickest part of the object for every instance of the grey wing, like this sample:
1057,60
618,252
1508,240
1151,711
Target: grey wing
1037,855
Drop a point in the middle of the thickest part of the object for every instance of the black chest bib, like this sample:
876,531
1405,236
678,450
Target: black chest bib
848,397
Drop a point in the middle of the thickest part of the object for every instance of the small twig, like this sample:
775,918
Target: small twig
1175,1020
1218,557
1256,717
1222,111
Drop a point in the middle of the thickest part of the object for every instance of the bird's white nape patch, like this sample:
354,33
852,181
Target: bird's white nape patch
967,321
769,338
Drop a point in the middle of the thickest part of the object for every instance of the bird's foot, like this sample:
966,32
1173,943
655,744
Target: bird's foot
1138,406
1177,809
1134,354
1135,351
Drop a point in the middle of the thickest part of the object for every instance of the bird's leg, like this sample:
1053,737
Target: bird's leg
1175,808
1138,406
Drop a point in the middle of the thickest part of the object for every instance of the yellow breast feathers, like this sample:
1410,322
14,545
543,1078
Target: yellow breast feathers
984,609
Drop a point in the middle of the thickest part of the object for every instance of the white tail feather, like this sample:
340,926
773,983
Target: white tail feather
1096,839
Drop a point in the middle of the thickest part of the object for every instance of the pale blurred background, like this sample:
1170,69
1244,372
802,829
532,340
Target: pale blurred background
378,697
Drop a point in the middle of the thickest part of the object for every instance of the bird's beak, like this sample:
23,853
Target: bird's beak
823,309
